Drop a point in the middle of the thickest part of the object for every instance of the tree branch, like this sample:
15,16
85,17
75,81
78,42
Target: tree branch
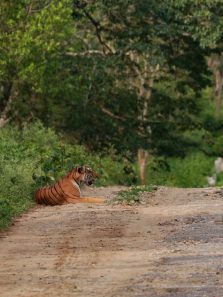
98,27
3,117
38,8
86,53
111,114
9,97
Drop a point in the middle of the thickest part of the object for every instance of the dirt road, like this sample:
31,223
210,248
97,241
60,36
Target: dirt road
173,246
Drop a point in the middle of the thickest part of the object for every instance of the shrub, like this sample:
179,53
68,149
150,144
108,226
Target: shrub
191,171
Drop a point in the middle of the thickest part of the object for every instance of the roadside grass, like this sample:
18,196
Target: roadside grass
132,195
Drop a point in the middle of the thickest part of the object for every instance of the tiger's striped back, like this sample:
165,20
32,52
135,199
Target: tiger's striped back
50,195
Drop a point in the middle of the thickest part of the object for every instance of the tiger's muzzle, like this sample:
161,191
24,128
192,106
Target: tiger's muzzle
89,179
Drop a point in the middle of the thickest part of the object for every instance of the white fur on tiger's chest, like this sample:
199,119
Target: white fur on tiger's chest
76,186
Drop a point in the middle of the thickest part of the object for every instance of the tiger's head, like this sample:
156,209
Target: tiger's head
84,174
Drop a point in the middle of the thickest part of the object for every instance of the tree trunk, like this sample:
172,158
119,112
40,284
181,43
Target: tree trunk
215,62
142,160
218,75
145,91
143,80
6,104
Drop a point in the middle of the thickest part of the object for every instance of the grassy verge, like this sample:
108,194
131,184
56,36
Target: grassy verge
132,195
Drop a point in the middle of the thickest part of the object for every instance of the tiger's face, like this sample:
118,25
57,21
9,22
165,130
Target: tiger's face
86,175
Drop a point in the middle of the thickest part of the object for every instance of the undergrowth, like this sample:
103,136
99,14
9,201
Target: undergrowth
188,172
132,195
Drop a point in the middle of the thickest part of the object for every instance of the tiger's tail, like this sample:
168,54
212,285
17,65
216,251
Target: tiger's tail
92,200
85,200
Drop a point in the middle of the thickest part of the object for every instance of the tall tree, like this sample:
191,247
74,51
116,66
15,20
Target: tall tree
33,35
215,62
150,44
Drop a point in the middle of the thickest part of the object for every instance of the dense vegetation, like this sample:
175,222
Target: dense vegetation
119,81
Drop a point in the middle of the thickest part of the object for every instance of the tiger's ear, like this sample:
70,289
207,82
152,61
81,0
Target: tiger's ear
80,169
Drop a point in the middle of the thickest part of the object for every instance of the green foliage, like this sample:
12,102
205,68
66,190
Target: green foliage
132,194
219,180
50,72
140,38
33,35
202,19
63,158
190,171
36,156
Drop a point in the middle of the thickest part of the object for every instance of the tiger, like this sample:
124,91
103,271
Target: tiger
67,189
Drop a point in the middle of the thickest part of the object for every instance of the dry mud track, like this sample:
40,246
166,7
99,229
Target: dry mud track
171,247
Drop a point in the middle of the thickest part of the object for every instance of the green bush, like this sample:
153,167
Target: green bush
36,156
191,171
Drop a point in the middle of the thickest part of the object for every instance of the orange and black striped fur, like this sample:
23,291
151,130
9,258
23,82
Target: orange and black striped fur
67,189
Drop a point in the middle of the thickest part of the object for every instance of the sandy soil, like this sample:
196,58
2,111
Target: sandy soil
173,246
